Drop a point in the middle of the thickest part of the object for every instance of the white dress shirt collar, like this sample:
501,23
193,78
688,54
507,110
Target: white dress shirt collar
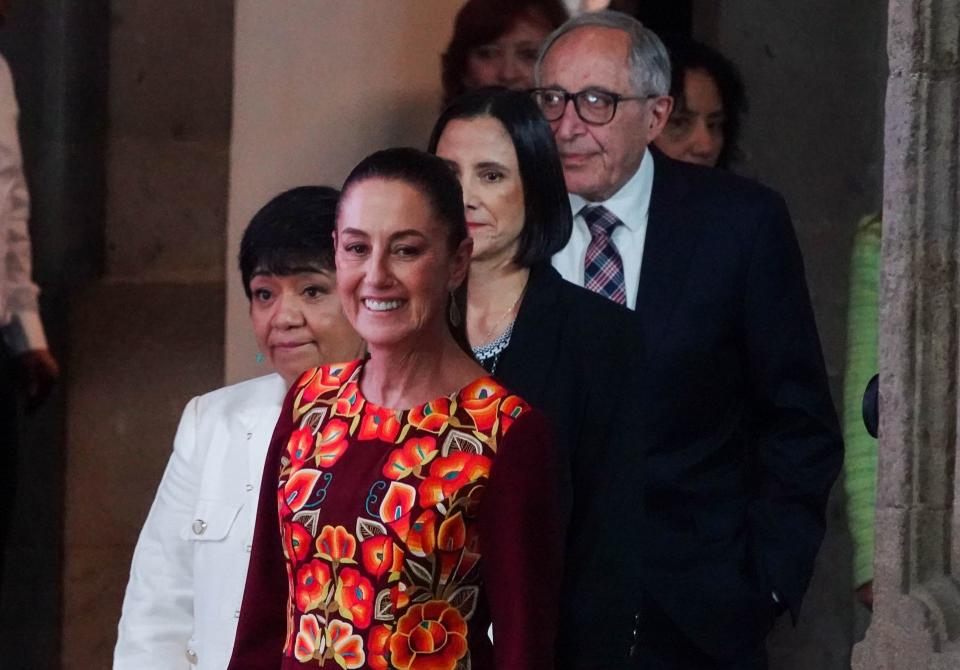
631,204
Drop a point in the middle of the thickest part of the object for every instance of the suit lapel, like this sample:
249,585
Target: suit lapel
673,230
539,313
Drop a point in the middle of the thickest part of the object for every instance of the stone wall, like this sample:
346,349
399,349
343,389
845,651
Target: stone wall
318,87
917,617
148,334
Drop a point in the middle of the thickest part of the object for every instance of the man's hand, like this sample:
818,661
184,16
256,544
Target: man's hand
38,372
865,594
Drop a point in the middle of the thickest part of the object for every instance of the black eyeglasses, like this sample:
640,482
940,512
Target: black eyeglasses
594,105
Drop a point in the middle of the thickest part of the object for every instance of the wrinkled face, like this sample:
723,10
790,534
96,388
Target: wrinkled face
507,61
694,133
297,321
599,159
395,268
481,153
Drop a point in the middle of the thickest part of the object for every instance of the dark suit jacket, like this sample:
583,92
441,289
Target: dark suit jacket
717,498
743,440
568,347
574,355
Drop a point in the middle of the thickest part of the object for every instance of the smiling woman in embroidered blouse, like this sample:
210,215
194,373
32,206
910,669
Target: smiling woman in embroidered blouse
419,500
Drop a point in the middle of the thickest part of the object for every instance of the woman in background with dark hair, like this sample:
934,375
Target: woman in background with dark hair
188,570
572,353
496,42
527,325
709,101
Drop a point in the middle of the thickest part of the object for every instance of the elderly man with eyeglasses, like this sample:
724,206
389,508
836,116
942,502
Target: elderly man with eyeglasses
694,530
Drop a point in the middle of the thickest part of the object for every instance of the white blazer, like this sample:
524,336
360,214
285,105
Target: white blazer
186,581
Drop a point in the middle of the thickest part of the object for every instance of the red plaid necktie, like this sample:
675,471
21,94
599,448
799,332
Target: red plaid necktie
603,268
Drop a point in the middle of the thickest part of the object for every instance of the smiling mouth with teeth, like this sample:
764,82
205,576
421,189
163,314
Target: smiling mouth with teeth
382,305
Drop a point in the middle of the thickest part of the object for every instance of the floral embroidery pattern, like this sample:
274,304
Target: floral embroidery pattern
432,635
397,585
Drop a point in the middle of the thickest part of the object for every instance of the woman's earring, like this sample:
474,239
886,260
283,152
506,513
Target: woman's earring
454,310
260,358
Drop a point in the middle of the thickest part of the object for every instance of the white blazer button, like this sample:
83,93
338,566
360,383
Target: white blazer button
249,435
248,548
249,487
192,656
236,614
199,526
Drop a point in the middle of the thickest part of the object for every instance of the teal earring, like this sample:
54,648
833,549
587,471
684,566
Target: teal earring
260,358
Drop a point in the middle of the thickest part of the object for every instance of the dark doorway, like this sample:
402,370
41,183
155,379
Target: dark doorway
664,17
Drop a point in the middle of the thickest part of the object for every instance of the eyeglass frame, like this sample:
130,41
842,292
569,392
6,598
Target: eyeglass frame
568,96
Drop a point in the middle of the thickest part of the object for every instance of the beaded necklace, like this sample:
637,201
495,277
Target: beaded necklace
488,355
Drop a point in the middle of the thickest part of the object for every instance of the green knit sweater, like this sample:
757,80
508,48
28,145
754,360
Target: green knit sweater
860,459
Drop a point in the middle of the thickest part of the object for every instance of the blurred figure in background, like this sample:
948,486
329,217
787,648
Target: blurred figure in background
495,43
709,100
189,567
26,364
860,455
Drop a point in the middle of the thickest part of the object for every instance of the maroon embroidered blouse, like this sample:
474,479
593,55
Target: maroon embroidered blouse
392,539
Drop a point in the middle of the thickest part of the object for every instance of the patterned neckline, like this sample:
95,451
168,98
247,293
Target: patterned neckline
480,385
488,355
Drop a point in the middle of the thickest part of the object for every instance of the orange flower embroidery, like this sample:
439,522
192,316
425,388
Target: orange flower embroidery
480,400
347,647
376,554
415,453
449,474
296,541
510,410
306,645
432,417
349,402
420,539
313,585
377,641
300,446
324,380
453,533
331,443
336,544
379,423
299,488
430,636
396,506
355,597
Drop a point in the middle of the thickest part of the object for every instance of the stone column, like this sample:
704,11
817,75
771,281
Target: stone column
916,621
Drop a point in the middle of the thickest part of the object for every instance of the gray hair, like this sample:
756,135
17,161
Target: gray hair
649,61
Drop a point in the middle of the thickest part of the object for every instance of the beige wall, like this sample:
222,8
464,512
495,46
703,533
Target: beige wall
317,86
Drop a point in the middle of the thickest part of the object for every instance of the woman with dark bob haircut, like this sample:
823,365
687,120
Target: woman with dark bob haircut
704,127
420,500
496,43
191,560
568,350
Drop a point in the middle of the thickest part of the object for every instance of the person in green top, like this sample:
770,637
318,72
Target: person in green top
860,459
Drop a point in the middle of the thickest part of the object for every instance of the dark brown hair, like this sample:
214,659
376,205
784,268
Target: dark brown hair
432,178
481,22
547,221
290,234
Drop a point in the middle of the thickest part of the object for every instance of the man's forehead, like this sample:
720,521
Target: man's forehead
597,49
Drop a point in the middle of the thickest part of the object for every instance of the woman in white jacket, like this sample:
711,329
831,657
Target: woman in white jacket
190,564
